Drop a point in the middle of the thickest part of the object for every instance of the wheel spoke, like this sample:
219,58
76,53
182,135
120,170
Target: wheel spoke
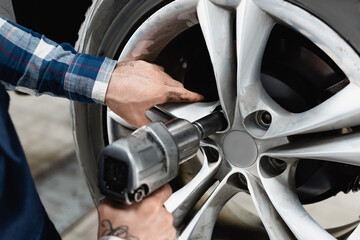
340,111
281,191
253,30
341,231
182,201
274,225
217,27
202,224
342,149
227,3
188,111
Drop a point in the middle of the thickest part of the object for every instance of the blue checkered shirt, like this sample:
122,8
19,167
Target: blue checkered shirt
29,62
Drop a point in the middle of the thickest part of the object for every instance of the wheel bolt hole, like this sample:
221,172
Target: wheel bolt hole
272,167
263,119
277,164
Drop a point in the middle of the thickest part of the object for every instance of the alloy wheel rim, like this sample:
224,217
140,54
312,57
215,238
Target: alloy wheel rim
242,97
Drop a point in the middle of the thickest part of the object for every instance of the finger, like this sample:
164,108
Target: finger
169,235
172,234
163,78
162,194
182,95
169,81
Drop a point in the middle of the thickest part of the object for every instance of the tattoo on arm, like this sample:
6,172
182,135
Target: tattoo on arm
121,231
125,64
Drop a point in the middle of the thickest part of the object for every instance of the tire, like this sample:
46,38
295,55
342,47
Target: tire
87,120
297,84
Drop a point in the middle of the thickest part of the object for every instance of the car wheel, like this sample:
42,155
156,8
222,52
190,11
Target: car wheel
286,74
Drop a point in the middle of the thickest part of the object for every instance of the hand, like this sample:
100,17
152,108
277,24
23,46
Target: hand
137,86
145,220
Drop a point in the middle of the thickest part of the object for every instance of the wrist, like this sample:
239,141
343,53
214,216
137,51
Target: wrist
101,83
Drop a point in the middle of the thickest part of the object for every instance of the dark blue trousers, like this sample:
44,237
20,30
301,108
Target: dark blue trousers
22,215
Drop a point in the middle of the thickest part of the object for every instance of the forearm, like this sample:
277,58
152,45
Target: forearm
32,63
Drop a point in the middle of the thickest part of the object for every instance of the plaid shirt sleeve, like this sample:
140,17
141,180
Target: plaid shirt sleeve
29,62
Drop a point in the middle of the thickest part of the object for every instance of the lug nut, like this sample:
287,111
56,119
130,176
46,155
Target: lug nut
277,164
263,119
272,167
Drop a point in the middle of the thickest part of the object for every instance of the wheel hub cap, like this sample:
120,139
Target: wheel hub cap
240,149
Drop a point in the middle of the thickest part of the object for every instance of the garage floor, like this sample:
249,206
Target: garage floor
44,126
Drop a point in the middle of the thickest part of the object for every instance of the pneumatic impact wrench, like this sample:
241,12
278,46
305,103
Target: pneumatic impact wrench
133,167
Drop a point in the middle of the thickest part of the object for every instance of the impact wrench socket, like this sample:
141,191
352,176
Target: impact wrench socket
133,167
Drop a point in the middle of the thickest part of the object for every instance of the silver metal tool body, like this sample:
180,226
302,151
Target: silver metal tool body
133,167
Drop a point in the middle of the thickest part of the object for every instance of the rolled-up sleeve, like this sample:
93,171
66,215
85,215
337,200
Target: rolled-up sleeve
31,63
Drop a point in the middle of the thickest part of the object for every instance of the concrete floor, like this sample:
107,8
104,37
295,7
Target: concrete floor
44,126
